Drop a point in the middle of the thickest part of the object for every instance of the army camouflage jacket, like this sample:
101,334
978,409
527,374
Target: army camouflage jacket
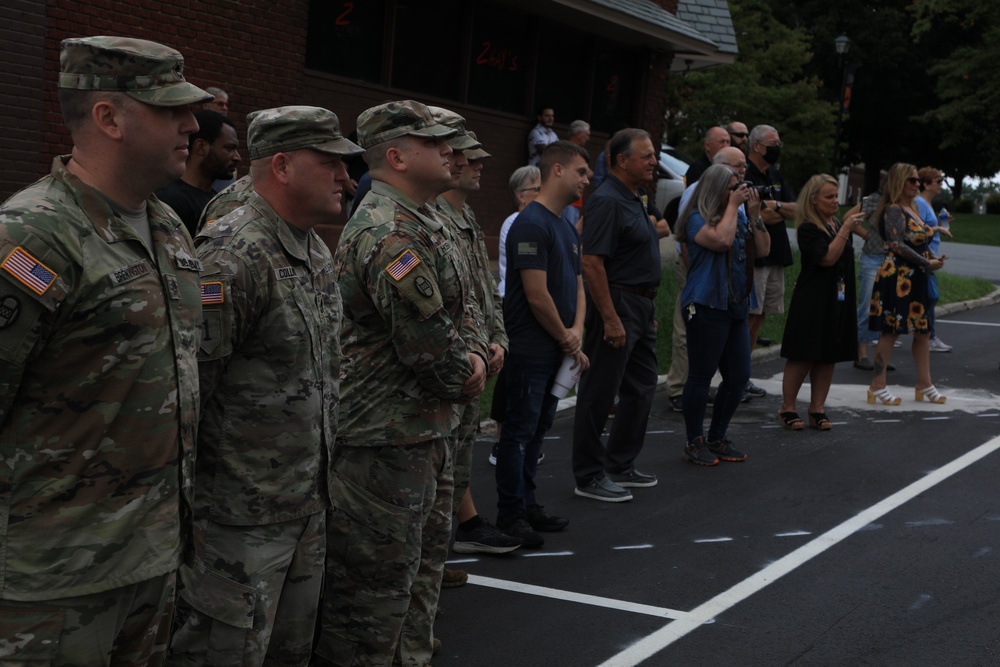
226,201
407,323
269,363
487,294
98,391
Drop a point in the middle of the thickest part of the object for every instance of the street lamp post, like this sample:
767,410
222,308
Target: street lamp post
843,45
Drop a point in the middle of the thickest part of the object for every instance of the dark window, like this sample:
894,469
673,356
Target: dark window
563,73
499,59
346,38
615,87
427,55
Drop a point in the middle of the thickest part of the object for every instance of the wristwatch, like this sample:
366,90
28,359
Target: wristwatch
777,205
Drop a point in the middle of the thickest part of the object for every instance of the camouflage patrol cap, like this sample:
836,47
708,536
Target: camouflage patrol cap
461,141
147,71
396,119
476,153
290,128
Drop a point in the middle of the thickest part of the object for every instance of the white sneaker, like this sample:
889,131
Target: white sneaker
938,345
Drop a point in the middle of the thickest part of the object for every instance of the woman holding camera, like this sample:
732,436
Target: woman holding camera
900,299
721,243
821,326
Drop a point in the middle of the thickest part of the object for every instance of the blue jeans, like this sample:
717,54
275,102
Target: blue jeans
866,283
531,409
715,341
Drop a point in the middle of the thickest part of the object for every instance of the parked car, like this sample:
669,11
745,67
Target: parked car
670,182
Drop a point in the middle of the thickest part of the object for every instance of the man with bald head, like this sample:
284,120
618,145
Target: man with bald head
716,138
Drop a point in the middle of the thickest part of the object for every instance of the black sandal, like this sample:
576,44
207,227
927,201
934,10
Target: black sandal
791,421
819,421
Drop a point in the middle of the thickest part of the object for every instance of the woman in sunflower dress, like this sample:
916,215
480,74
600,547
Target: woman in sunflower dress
900,299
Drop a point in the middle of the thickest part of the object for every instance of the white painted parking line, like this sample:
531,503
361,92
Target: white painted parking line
569,596
661,639
546,554
633,546
796,533
975,324
713,539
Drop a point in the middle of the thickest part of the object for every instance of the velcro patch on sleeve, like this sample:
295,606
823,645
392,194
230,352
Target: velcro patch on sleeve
212,293
527,248
402,265
29,271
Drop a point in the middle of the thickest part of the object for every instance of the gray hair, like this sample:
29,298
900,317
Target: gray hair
522,176
578,126
758,132
709,198
214,91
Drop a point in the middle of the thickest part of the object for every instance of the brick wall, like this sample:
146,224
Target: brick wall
256,51
22,99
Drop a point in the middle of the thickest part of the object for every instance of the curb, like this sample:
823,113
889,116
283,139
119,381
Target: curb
771,352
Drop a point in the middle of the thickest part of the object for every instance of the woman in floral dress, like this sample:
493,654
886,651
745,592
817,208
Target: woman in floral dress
900,297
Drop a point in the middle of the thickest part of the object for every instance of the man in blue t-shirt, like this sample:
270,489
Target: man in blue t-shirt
543,314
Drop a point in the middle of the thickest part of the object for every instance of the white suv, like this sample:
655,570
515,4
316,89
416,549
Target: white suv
670,182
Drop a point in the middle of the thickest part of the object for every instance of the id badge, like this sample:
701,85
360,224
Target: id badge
841,290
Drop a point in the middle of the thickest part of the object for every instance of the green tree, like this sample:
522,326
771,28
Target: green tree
897,83
966,34
767,84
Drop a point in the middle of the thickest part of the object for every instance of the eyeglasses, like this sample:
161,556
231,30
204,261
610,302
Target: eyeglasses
913,180
535,189
939,181
741,135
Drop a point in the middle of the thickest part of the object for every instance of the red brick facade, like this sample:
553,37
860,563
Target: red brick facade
256,51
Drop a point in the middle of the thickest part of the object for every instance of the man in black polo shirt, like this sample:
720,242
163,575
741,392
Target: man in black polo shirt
621,268
775,209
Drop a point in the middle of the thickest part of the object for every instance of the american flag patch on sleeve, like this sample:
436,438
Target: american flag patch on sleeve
29,271
402,265
212,293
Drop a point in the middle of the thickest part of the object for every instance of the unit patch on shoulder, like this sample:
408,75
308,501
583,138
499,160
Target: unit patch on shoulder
29,271
10,308
212,293
402,265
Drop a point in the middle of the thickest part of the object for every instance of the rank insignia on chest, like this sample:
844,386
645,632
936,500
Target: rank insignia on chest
402,265
212,293
29,271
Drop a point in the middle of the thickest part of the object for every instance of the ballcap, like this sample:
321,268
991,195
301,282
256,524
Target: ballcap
147,71
284,129
396,119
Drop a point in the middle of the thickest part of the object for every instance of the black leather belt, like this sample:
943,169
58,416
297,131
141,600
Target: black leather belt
648,292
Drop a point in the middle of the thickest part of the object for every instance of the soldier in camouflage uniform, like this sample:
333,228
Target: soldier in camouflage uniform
269,364
475,533
406,362
99,314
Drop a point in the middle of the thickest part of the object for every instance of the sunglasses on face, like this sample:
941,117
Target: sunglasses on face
913,180
741,135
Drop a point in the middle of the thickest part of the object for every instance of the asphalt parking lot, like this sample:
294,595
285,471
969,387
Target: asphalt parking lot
877,543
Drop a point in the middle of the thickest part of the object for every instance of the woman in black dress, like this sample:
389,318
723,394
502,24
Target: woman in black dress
821,327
